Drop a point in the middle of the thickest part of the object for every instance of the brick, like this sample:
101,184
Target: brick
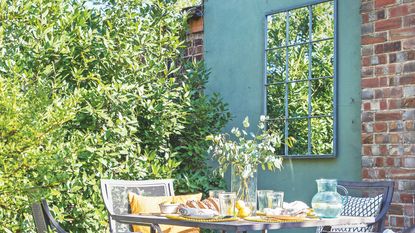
379,161
406,185
392,47
375,150
367,127
366,6
409,67
409,126
367,116
408,103
409,91
382,3
408,44
409,21
368,93
367,28
367,50
407,197
392,92
399,10
372,39
407,79
367,71
401,56
388,116
380,14
366,150
383,150
366,61
409,137
403,33
370,82
379,93
408,115
395,209
388,24
409,162
367,139
365,173
387,69
408,209
370,17
365,18
388,47
380,127
198,42
366,106
367,161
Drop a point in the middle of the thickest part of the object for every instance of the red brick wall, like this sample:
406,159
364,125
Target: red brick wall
388,101
195,39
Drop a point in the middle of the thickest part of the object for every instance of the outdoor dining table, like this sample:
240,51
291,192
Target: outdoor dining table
243,225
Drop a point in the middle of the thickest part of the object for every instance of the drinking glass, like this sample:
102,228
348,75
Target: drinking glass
227,203
263,199
275,199
215,193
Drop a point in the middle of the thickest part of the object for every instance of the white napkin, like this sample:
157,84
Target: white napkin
295,208
200,213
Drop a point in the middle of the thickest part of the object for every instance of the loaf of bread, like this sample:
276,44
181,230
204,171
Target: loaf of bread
210,203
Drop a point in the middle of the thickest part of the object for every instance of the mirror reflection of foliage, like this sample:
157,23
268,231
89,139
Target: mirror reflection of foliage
322,69
91,93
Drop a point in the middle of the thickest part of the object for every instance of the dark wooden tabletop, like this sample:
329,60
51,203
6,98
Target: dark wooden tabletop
243,225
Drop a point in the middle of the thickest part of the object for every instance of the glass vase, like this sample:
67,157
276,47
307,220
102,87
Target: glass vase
245,188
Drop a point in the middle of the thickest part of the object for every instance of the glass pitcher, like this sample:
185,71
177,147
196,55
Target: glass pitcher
327,203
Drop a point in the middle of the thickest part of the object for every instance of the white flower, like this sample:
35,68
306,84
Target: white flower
246,122
262,118
236,132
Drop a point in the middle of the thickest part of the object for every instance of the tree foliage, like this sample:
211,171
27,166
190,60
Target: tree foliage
90,93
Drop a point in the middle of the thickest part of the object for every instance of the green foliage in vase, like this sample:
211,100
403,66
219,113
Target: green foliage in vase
90,93
246,151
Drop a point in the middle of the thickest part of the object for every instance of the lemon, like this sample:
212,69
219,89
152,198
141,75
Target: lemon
231,211
240,204
244,212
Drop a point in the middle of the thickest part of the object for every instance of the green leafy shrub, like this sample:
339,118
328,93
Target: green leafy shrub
90,93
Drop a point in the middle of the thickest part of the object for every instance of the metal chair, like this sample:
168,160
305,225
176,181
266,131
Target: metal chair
44,219
374,199
115,196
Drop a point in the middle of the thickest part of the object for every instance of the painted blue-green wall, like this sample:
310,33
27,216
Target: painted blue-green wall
234,45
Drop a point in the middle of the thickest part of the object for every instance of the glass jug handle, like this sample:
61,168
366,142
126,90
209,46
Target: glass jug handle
346,193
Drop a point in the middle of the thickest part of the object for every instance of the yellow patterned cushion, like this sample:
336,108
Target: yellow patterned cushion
142,204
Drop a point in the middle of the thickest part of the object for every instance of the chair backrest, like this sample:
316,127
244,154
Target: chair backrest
368,199
115,196
44,219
